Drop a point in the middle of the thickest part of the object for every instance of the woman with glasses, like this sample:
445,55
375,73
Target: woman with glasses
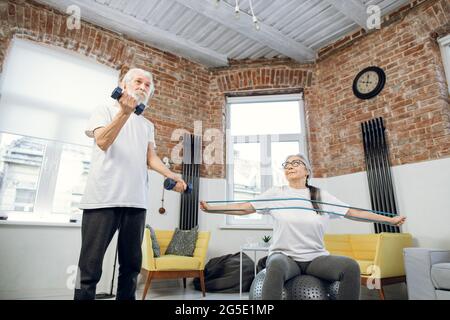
298,234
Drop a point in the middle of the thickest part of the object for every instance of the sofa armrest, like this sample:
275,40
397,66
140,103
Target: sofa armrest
148,260
389,254
201,247
418,263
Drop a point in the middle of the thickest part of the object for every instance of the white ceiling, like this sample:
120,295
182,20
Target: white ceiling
210,34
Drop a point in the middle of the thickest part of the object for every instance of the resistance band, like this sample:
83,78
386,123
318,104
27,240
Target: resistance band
304,208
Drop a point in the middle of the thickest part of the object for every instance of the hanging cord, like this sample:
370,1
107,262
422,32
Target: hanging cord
166,162
255,19
236,10
162,210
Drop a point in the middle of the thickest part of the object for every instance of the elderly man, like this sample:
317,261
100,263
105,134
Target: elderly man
116,194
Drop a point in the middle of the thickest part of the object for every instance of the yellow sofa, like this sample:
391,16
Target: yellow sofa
173,266
380,256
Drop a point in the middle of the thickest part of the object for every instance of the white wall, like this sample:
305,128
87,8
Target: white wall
353,190
39,261
422,192
423,195
34,259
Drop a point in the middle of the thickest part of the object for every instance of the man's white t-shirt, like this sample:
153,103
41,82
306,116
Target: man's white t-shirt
118,177
298,233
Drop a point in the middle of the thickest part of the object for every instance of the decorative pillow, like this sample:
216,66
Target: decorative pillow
155,244
183,242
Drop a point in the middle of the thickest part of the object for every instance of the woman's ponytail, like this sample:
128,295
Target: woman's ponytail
315,195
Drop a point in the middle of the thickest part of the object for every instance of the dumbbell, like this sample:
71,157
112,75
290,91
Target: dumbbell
117,93
169,184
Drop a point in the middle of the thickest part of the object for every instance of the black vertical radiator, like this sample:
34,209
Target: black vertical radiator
190,174
378,169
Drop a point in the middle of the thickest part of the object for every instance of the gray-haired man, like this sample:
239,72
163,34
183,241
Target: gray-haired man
116,194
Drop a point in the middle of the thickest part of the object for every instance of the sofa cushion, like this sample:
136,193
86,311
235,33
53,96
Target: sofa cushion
338,244
174,262
155,245
364,246
183,242
440,275
443,294
164,237
365,266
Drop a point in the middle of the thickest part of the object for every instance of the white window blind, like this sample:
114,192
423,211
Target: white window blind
49,93
261,132
47,96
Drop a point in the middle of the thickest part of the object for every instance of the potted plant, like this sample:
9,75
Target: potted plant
266,240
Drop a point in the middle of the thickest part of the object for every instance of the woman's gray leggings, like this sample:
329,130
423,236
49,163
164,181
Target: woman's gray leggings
280,268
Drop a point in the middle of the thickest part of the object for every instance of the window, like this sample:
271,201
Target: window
72,177
20,167
47,96
41,177
261,132
24,199
445,49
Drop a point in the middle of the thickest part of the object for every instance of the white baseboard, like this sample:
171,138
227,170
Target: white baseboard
35,294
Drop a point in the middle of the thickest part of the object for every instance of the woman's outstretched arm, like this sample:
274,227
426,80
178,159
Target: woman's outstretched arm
354,213
241,208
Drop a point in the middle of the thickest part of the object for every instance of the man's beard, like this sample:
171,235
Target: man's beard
139,98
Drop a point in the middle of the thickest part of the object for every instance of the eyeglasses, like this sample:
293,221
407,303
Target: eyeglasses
294,164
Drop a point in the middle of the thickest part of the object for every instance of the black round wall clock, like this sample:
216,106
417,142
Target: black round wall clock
369,82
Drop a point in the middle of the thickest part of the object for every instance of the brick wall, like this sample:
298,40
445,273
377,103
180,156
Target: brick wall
181,85
414,103
273,76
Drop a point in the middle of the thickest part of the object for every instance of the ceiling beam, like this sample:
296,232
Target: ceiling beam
267,35
353,10
117,21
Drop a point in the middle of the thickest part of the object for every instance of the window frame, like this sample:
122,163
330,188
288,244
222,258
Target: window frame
45,187
265,149
43,212
444,44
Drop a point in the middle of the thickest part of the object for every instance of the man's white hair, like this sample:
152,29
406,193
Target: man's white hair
129,76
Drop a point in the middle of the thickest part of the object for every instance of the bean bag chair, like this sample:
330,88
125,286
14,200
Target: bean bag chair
222,274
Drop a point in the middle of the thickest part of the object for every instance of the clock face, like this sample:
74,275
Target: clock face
369,82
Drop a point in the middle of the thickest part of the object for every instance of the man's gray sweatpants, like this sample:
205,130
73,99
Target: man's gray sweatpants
97,230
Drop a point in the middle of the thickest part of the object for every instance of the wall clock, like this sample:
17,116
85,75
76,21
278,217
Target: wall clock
369,82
